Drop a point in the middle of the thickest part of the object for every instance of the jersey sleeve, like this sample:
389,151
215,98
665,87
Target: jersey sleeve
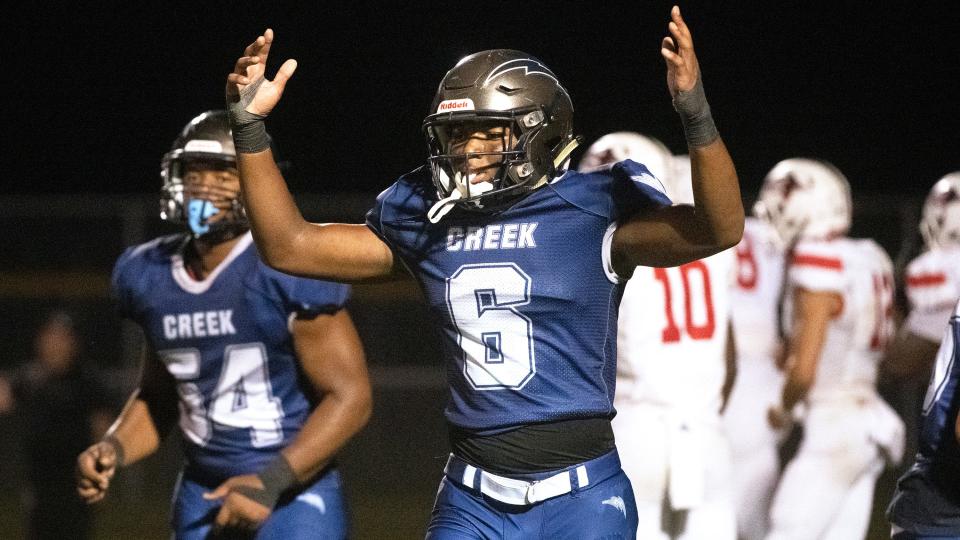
818,267
376,215
634,189
401,209
310,297
123,284
932,291
613,194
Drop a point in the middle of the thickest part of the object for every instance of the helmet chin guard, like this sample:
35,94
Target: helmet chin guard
498,93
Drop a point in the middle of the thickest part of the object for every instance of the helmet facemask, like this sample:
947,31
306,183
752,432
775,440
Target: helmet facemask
210,208
476,155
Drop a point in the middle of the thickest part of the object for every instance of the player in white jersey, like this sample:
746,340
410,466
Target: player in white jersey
672,373
754,305
932,283
837,318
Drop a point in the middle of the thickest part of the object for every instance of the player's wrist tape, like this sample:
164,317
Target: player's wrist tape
277,478
117,449
698,125
249,130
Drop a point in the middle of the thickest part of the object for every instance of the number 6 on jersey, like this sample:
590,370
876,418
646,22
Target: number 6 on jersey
496,339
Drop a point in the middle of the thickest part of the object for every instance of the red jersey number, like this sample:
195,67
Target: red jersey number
688,272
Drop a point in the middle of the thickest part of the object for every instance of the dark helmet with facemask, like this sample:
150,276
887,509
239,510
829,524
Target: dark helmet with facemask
508,92
207,139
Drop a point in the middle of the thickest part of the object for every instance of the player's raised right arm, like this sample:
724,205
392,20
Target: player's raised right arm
286,241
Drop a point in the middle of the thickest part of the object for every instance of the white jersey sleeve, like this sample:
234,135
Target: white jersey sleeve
932,286
818,267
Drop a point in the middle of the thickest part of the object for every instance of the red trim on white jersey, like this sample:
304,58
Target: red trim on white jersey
830,263
927,280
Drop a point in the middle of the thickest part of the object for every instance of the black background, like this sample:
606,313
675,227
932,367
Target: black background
95,95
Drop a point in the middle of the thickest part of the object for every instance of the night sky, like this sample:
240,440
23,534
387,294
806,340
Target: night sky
99,93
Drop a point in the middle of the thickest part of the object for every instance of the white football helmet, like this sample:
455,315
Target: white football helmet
621,145
805,198
940,221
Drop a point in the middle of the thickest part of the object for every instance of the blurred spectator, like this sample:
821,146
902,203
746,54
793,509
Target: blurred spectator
63,411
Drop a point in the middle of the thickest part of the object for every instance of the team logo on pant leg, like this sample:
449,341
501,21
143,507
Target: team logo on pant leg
315,501
616,502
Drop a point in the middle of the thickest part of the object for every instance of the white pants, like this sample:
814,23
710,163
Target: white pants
753,444
827,489
680,471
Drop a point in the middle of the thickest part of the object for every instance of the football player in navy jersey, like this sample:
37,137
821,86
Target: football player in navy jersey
926,505
266,369
522,263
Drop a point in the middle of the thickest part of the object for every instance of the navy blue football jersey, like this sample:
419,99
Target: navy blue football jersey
526,298
927,500
227,342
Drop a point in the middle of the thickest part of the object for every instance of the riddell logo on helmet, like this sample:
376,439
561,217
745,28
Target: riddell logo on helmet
465,104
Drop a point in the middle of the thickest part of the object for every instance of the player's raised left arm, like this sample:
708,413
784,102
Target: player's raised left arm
675,235
332,359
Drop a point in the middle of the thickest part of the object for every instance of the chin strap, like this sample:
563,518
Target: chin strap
445,205
562,156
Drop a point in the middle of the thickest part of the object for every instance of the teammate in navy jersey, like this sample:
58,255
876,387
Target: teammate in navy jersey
521,262
926,505
266,369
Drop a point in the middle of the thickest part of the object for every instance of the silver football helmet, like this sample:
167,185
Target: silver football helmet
521,115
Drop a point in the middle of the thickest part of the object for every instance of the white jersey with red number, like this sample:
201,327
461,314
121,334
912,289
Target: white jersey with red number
756,296
933,286
862,274
673,334
755,311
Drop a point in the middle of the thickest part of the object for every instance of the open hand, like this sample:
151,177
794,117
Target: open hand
677,49
249,76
